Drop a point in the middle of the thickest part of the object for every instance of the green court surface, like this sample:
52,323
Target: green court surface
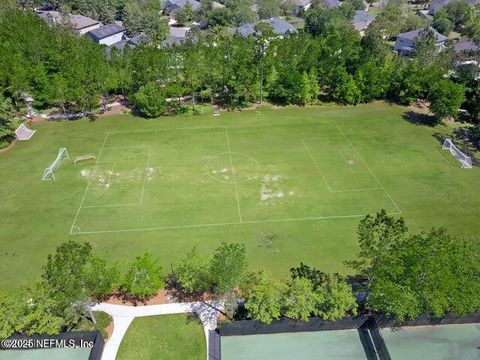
47,354
444,342
316,345
306,176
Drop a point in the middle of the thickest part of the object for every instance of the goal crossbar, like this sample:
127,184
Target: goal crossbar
465,160
49,172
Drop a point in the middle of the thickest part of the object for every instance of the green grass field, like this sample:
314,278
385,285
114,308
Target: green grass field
304,175
163,337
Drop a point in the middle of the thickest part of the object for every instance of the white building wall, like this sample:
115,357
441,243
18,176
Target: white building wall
112,39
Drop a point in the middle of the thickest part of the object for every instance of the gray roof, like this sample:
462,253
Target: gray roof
82,22
331,4
106,31
172,5
281,26
414,34
78,21
177,36
246,30
362,19
466,46
301,3
139,39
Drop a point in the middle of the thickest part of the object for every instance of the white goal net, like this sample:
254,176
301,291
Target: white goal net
465,160
49,172
24,133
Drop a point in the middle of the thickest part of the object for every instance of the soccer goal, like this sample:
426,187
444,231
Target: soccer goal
465,160
49,172
24,133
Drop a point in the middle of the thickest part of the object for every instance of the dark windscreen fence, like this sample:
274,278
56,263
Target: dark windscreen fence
214,346
385,322
372,341
253,327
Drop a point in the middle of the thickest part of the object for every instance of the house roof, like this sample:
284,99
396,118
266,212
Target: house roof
281,26
362,19
106,31
81,22
177,36
331,4
139,39
78,21
466,46
301,3
245,30
172,5
414,34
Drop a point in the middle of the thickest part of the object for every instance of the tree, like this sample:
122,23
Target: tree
64,273
144,277
227,267
431,273
30,311
442,23
314,275
459,13
192,272
7,133
446,98
149,100
300,301
338,299
376,237
100,277
268,8
262,297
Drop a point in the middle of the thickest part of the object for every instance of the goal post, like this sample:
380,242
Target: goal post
465,160
49,172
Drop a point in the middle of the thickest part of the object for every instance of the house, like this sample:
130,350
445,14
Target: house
301,5
246,30
331,4
175,5
466,47
177,35
405,42
361,20
281,27
108,34
436,5
80,23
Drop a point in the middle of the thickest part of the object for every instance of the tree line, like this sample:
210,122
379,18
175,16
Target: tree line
328,62
396,273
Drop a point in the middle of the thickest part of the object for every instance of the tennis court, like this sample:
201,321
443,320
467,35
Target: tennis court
81,353
318,345
441,342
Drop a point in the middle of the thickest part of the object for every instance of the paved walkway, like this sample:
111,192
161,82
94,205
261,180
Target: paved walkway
123,315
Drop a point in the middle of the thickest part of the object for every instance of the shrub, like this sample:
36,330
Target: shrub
144,277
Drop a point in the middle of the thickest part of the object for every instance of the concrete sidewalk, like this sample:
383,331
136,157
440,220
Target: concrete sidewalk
123,316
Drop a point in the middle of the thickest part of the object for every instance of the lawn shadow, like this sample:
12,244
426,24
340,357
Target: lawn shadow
420,119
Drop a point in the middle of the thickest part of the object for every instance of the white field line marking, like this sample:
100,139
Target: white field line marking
87,187
145,177
316,165
234,176
371,172
111,205
353,190
126,147
227,224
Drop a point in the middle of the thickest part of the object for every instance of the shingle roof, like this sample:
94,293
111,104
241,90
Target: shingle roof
246,30
414,34
301,3
82,22
106,31
466,45
331,4
281,26
172,5
139,39
362,19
